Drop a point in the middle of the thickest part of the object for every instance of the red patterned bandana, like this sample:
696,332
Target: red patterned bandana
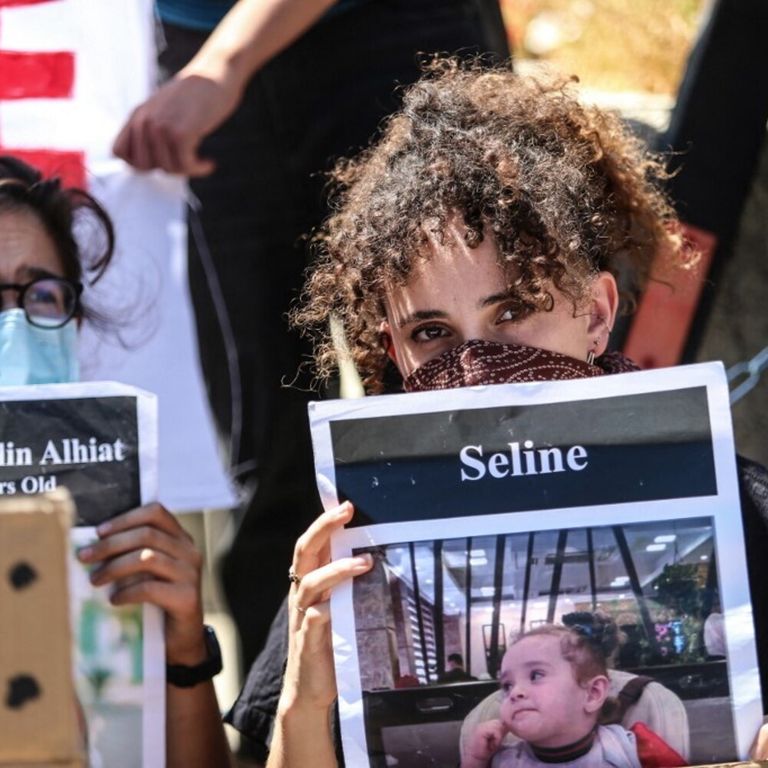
488,362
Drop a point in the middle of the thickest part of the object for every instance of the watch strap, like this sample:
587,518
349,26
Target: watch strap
183,676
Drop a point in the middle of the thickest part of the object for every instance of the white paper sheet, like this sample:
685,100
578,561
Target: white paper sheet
398,459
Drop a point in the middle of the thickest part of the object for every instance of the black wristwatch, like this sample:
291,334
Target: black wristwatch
183,676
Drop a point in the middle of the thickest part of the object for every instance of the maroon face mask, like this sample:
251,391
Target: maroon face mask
488,362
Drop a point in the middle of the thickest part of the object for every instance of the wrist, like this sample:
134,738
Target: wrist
293,708
189,654
230,70
189,670
185,642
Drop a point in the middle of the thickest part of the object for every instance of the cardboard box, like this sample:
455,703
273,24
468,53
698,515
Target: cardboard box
38,709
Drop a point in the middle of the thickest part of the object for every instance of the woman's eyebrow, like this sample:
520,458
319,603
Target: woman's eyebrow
37,273
494,298
421,314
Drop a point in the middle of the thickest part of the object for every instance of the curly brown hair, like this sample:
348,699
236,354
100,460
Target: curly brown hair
563,188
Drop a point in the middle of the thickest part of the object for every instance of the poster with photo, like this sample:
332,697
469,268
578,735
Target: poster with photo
98,439
491,511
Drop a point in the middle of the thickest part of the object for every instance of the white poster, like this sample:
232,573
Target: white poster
72,72
490,511
99,440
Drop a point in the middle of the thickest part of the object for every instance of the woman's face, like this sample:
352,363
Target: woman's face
26,252
460,294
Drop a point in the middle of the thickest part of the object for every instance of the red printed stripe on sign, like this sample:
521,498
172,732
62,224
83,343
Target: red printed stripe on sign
36,75
10,3
69,166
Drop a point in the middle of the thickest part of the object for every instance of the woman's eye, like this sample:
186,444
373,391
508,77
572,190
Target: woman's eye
41,296
514,312
429,333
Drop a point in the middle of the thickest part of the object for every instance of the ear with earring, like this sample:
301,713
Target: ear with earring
605,331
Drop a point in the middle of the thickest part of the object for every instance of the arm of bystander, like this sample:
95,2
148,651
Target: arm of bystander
166,130
148,557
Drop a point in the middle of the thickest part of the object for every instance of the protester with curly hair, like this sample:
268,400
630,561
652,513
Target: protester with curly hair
489,163
479,241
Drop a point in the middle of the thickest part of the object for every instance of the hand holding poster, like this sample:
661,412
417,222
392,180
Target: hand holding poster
500,510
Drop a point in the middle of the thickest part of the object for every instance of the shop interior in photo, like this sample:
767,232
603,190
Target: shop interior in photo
433,619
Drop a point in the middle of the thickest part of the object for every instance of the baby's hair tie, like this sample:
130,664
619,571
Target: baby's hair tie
584,629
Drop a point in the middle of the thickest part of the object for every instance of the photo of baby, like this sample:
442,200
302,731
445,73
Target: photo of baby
555,699
601,644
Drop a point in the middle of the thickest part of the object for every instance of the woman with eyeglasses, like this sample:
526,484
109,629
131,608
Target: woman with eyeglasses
144,554
41,269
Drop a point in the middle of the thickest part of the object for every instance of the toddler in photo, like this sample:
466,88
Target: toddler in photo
555,696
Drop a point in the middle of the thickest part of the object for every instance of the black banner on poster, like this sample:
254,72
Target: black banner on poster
91,445
655,445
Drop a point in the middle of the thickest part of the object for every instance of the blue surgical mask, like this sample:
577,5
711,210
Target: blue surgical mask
32,355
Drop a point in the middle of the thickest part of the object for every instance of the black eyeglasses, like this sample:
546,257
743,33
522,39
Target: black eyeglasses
48,302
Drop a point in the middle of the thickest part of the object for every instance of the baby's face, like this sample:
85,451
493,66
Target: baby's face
543,703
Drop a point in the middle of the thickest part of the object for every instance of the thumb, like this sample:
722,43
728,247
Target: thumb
122,145
201,166
191,164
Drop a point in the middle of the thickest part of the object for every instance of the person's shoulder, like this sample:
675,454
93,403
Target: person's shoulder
753,483
615,731
614,746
